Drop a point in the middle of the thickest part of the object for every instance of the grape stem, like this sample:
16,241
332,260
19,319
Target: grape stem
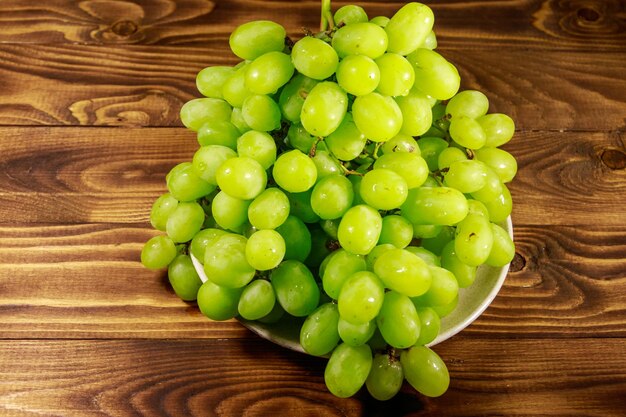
327,22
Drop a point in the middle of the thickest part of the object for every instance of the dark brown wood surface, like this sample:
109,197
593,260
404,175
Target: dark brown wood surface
89,99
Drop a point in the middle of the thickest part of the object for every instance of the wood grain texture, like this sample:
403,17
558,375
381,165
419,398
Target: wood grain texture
252,377
552,24
146,85
114,175
85,281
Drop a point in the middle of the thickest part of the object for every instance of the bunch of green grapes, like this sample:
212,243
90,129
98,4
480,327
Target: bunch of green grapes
345,180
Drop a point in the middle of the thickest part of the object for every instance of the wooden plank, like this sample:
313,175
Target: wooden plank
147,85
81,175
85,281
529,23
252,377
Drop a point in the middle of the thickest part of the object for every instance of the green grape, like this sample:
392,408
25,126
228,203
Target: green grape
267,73
467,132
436,243
241,177
201,240
210,80
218,132
408,28
450,155
297,239
158,252
383,189
396,75
500,161
359,229
261,113
431,148
314,58
361,38
492,188
298,138
361,297
292,97
225,261
347,142
503,249
207,159
375,253
356,186
410,166
346,15
438,206
237,120
381,21
424,231
430,323
340,266
324,108
398,321
185,185
500,207
467,176
430,42
443,290
474,240
468,103
294,171
184,222
355,334
295,288
443,311
229,212
417,116
319,248
331,227
404,272
259,146
332,196
499,129
477,208
396,230
385,378
326,165
319,334
464,274
300,206
401,143
183,278
358,74
425,371
274,316
198,111
348,367
269,210
234,89
257,300
377,116
430,182
217,302
161,210
434,75
256,38
265,250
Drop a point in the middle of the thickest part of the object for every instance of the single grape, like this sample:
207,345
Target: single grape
326,164
217,302
467,176
331,227
294,171
158,252
257,300
381,21
225,262
355,334
332,196
229,212
185,185
443,290
416,113
259,146
500,207
467,132
425,371
324,108
347,368
359,229
377,116
184,222
183,278
410,166
361,297
500,161
197,112
408,28
340,266
398,321
435,206
434,76
236,119
385,378
499,129
210,80
397,231
298,138
492,188
401,143
404,272
265,250
349,14
207,159
430,323
474,240
295,288
267,73
430,42
358,74
468,103
314,58
201,240
347,142
383,189
503,249
396,75
475,207
424,231
261,113
450,155
269,209
241,177
297,238
253,39
464,274
161,210
319,334
361,38
234,90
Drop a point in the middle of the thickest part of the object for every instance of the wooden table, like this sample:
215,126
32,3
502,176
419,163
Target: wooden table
89,99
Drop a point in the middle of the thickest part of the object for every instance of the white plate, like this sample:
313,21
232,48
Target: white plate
472,303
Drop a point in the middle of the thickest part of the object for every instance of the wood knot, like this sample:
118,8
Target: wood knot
124,28
613,158
518,263
588,14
